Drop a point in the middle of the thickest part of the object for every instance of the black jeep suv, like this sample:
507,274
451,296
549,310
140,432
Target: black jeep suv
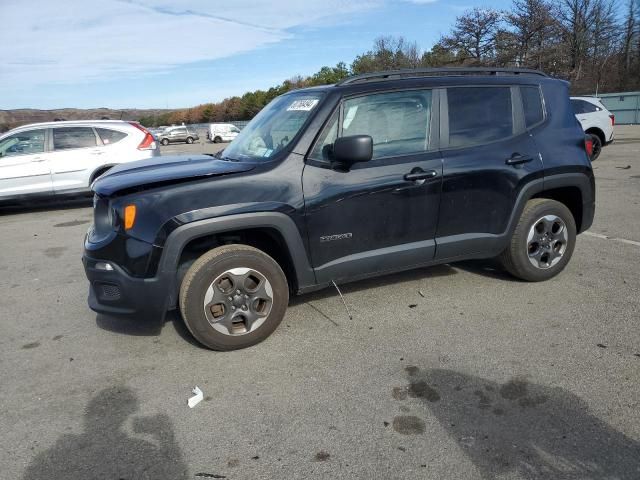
378,173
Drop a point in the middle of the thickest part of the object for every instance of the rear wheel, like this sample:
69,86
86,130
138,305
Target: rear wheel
597,146
233,297
165,141
543,241
217,140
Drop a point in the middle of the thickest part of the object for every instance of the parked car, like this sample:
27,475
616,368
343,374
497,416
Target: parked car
181,134
65,157
378,173
595,120
222,132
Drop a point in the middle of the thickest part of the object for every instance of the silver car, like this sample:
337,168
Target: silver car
178,135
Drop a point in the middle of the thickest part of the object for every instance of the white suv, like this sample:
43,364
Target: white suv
66,157
596,120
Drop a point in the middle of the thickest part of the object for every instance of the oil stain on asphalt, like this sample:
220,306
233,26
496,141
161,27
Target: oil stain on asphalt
517,428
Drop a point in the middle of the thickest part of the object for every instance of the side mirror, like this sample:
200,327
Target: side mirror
353,149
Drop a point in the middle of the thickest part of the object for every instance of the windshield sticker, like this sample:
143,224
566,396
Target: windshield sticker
267,152
302,105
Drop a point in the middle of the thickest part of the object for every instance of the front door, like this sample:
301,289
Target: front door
24,167
380,215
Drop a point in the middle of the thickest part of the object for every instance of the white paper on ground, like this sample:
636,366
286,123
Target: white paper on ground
197,398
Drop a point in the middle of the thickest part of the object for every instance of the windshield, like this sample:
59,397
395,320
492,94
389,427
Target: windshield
273,128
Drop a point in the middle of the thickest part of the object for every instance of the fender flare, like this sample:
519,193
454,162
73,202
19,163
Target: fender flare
579,180
280,222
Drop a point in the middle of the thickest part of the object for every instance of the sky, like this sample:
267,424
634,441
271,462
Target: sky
181,53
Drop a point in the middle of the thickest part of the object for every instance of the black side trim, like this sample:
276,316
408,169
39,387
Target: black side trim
184,234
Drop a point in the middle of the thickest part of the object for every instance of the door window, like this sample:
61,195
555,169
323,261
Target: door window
580,106
66,138
23,143
398,123
479,115
532,105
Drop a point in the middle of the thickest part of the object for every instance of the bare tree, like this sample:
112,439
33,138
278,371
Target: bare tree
473,38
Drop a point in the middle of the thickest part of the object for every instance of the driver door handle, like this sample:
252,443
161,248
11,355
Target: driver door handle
517,159
421,175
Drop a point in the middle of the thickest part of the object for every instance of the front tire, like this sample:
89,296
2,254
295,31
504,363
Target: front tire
542,243
189,140
233,297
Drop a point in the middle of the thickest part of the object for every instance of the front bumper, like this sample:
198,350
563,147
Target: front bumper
114,292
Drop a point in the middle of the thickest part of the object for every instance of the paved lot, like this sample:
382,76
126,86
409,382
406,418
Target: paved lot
483,377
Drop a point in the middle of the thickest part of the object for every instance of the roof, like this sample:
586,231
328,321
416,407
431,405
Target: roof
72,122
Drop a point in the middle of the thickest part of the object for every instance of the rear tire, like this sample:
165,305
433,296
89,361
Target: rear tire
217,140
597,146
233,297
542,243
164,142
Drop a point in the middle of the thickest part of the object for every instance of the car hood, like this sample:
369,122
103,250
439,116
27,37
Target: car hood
164,169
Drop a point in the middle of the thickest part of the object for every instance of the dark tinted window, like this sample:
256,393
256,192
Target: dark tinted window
23,143
398,122
532,104
580,106
110,136
65,138
479,115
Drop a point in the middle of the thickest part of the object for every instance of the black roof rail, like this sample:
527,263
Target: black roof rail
419,72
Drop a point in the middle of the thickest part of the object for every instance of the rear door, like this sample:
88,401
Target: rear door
76,153
380,215
488,154
24,167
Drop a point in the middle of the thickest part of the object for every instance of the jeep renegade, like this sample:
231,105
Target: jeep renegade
378,173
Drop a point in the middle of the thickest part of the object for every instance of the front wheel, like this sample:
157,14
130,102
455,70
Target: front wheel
543,241
233,297
189,140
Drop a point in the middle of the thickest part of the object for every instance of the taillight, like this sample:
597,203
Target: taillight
148,142
588,145
613,119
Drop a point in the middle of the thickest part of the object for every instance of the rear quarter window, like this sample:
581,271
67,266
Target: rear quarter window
532,105
109,136
479,115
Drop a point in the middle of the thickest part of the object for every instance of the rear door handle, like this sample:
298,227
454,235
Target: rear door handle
517,159
38,160
421,175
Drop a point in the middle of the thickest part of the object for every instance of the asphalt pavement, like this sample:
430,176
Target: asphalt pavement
451,372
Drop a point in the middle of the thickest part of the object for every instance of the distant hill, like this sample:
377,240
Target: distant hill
14,118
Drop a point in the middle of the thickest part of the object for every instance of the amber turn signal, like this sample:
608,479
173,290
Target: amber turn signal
129,216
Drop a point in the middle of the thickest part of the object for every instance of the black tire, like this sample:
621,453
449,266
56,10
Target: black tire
189,140
516,257
211,266
97,174
217,140
164,141
597,146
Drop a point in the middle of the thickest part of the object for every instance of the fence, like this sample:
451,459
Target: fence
625,106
